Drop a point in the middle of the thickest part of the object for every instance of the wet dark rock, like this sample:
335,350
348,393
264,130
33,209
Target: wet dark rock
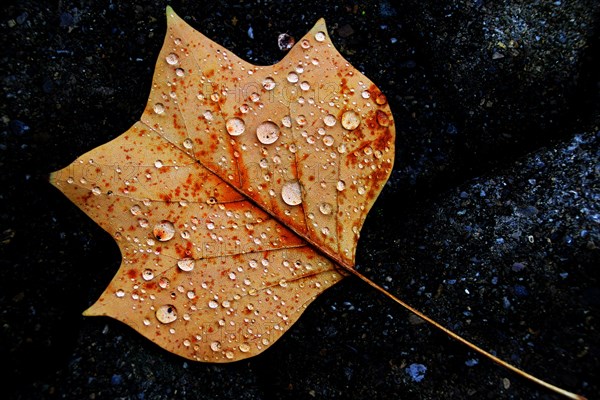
497,118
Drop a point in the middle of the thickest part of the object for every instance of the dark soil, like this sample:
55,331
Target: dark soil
490,223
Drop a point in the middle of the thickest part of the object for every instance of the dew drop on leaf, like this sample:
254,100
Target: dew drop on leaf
172,59
320,36
159,108
329,120
186,264
166,314
235,126
291,193
350,120
267,132
325,208
164,231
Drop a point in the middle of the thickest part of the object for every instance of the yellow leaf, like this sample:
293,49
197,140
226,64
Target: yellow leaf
239,195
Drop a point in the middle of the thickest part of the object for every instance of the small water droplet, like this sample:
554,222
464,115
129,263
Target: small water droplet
350,120
305,44
164,231
267,132
120,293
186,264
188,143
229,354
164,282
305,85
211,201
215,97
381,99
365,94
215,346
166,314
291,193
179,72
148,275
341,185
320,36
329,120
135,209
361,190
96,191
235,126
325,208
159,108
207,115
253,263
268,83
158,164
143,222
213,304
232,276
325,231
292,77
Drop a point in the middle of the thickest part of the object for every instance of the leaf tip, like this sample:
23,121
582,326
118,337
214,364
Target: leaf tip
95,310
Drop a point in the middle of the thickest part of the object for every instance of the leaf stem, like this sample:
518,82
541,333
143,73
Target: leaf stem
464,341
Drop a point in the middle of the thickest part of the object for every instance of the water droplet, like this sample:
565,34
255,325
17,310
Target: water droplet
268,83
164,231
255,97
211,201
120,293
96,190
191,294
382,118
186,264
292,77
350,120
381,99
229,355
179,72
325,231
148,275
232,276
235,126
166,314
210,225
244,108
301,120
135,209
328,140
365,94
291,193
325,208
244,347
329,120
253,263
286,121
215,96
215,346
164,283
341,185
159,108
361,190
143,222
305,44
320,36
267,132
207,115
304,85
172,59
158,164
213,304
188,143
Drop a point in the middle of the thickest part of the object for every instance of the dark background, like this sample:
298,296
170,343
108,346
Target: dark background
490,222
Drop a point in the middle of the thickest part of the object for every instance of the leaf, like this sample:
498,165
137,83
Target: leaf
239,195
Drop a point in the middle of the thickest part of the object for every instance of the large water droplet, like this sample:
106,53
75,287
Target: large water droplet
172,59
186,264
329,120
320,36
268,83
164,231
350,120
325,208
267,132
291,193
382,118
166,314
159,108
292,77
235,126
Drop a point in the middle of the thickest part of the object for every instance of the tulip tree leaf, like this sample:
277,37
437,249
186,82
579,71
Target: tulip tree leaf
239,195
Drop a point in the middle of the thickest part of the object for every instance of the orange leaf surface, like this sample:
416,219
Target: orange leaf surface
239,195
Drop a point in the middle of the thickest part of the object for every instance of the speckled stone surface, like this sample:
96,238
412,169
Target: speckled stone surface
490,223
